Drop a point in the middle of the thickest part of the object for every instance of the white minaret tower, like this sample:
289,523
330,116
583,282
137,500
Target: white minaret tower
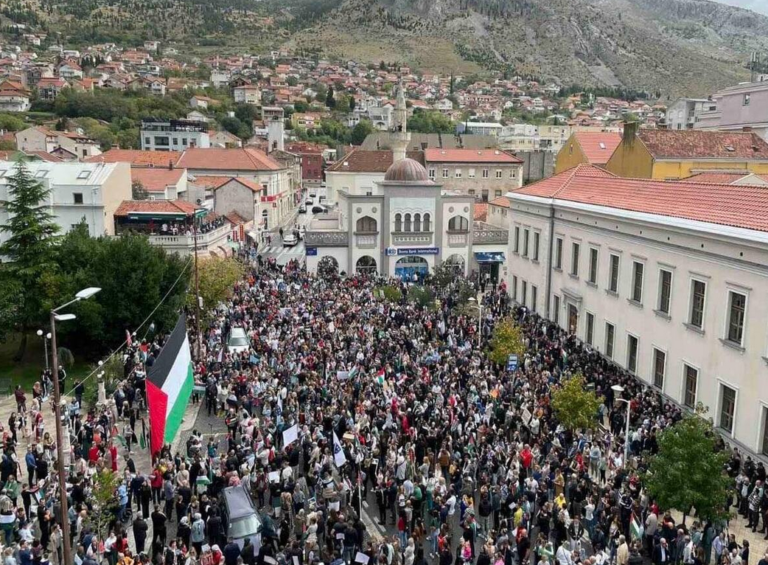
400,135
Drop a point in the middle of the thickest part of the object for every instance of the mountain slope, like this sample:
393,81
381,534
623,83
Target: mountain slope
678,47
759,6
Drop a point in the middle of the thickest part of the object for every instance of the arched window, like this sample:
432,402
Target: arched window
458,223
407,222
398,222
426,226
417,222
366,224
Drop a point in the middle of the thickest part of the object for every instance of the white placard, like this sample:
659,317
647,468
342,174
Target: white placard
342,375
270,560
274,477
362,558
333,506
526,416
290,435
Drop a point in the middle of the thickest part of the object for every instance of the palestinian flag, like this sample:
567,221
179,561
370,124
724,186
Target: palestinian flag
169,385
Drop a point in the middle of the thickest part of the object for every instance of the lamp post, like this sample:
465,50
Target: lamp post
45,344
60,437
619,389
480,320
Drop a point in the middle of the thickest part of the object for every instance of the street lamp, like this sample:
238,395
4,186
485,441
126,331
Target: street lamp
82,295
45,344
619,389
480,319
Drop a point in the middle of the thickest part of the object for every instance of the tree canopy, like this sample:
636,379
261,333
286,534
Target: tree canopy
507,339
430,122
574,405
216,279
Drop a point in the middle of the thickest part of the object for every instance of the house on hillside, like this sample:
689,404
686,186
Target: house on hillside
14,97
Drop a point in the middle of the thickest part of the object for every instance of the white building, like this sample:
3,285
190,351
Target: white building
683,112
665,278
480,128
247,94
173,135
89,192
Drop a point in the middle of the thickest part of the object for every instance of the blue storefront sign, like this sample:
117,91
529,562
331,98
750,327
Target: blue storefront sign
512,363
418,250
311,251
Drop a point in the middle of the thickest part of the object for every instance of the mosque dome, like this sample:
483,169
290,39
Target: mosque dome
407,170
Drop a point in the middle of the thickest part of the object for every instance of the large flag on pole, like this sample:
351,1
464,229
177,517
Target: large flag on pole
169,386
338,452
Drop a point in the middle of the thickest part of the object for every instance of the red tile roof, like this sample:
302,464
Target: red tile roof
45,156
728,205
597,146
237,159
502,201
209,181
481,211
254,186
359,161
469,156
235,218
697,144
715,177
128,207
137,158
156,179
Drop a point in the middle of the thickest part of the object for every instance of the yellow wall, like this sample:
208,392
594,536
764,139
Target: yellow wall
569,156
684,169
631,160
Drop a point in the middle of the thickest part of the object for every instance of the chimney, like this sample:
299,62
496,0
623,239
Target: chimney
747,129
170,164
630,132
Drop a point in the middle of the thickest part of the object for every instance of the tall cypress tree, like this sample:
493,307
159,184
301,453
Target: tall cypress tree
29,249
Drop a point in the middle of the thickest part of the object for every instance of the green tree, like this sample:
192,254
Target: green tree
330,101
11,123
216,281
361,130
138,192
430,122
507,339
574,405
421,295
104,498
29,250
687,472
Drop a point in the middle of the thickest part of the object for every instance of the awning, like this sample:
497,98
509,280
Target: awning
489,257
253,235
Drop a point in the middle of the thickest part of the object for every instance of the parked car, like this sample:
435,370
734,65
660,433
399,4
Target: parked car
302,209
319,209
238,341
240,516
289,240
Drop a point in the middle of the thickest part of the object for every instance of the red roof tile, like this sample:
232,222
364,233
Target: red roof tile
235,218
715,177
728,205
237,159
254,186
597,146
469,156
502,201
697,144
359,161
128,207
156,179
137,158
481,211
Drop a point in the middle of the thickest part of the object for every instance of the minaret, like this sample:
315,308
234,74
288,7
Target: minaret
400,135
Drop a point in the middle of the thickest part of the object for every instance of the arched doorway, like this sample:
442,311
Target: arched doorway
366,265
456,264
328,267
406,267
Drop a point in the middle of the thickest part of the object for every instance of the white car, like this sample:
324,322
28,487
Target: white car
289,240
238,341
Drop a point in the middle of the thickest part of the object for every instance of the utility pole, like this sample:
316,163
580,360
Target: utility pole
199,340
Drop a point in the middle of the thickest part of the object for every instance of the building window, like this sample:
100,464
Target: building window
610,330
589,333
497,193
737,307
432,173
471,192
524,293
727,408
632,346
517,239
445,173
559,253
147,141
484,195
637,281
498,173
398,222
698,297
534,297
514,287
593,265
366,224
665,291
78,196
407,226
575,259
458,223
525,243
613,279
659,366
747,99
471,173
556,309
485,173
512,173
457,173
691,384
426,223
536,238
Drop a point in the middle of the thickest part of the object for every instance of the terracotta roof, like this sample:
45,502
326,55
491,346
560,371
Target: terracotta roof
597,146
502,201
359,161
136,157
254,186
697,144
481,211
715,177
237,159
469,156
728,205
156,179
128,207
45,156
235,218
209,181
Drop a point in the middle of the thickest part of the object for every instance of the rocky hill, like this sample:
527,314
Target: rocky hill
677,47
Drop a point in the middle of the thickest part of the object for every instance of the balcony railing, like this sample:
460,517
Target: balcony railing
422,238
185,244
326,239
457,239
480,236
365,240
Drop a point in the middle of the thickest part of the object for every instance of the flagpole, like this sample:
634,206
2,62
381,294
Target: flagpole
198,341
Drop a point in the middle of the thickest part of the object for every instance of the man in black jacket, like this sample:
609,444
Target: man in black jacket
231,552
140,528
661,554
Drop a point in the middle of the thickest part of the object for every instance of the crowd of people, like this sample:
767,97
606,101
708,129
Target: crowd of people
351,405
